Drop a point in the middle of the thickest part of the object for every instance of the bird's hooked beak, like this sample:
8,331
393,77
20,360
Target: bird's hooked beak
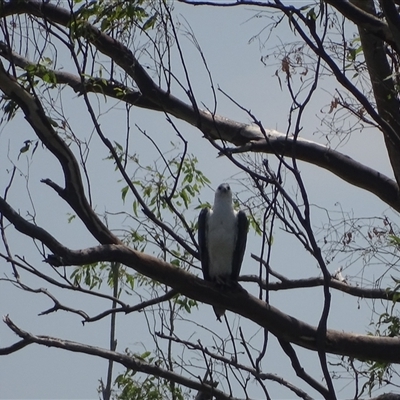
224,188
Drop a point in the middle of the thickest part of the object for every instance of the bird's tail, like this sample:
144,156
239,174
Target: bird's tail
219,312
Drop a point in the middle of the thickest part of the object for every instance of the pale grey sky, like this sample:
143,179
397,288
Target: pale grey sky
223,34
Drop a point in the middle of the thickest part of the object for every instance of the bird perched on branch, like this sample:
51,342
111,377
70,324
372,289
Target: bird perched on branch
222,239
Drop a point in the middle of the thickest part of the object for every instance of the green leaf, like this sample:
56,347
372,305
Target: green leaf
49,77
149,24
124,192
53,122
71,218
25,148
175,262
395,240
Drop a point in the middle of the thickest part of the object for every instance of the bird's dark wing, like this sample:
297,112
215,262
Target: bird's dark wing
202,237
240,245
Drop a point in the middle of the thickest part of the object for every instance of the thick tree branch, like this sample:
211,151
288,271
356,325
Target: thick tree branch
350,11
232,361
216,127
383,86
102,86
123,359
15,347
365,20
73,193
393,19
237,300
341,165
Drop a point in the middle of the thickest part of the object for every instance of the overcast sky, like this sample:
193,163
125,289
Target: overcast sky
224,35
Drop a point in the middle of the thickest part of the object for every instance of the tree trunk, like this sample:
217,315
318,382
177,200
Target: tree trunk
382,85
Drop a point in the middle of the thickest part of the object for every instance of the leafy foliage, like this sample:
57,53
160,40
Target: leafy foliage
111,15
158,200
133,386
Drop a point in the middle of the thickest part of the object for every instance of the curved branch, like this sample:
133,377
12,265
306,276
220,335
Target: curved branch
57,305
123,359
350,11
214,126
138,307
54,282
300,372
73,193
15,347
240,302
235,299
233,361
365,20
109,88
319,281
338,163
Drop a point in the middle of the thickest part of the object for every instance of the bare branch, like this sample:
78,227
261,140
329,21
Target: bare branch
319,281
301,373
213,126
73,193
137,307
15,347
54,282
234,299
123,359
109,88
233,362
217,127
341,165
350,11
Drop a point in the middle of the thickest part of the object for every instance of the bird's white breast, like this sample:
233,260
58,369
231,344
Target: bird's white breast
222,232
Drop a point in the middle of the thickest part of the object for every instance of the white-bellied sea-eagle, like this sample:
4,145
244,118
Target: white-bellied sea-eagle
222,240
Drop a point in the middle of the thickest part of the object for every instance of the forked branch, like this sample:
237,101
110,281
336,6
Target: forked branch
235,299
123,359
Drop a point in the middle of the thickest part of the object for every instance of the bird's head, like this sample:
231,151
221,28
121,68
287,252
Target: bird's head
223,193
